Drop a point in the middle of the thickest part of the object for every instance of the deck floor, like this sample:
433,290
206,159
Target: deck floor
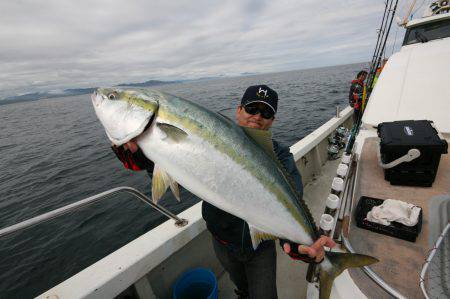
400,261
291,275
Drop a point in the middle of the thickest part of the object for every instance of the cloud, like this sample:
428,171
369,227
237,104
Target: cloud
61,44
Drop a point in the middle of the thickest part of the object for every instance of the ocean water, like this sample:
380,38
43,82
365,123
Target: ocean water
54,152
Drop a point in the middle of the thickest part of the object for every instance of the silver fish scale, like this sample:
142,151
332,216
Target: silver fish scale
222,127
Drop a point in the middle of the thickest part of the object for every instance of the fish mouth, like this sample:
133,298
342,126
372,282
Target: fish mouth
97,98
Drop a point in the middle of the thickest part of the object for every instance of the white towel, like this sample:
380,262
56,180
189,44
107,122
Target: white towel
394,210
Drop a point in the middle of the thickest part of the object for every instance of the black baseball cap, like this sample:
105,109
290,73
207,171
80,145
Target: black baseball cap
260,94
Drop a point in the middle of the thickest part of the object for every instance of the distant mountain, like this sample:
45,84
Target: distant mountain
27,97
204,78
77,91
147,83
73,92
47,95
248,74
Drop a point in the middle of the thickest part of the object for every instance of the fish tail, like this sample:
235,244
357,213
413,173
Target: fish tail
334,264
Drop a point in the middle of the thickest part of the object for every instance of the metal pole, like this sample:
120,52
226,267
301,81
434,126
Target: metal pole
86,202
405,19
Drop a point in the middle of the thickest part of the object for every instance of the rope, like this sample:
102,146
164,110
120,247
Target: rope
395,40
417,9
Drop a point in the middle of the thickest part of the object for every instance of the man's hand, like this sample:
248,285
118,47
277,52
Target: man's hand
132,157
315,251
131,146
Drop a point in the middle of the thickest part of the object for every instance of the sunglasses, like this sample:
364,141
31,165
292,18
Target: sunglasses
253,110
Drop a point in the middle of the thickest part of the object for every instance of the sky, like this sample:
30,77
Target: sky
54,44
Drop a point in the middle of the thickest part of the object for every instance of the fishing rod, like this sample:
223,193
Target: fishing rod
383,34
384,45
379,36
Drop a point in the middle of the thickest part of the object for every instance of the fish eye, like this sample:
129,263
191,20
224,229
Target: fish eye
112,96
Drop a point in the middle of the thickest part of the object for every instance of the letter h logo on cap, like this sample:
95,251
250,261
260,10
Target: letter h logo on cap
262,93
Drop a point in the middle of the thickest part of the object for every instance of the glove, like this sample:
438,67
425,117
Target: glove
356,101
134,161
294,254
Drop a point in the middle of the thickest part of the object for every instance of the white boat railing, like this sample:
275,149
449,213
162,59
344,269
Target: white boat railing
86,202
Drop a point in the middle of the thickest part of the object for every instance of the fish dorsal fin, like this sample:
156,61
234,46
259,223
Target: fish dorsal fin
226,117
160,182
258,236
174,133
300,200
263,138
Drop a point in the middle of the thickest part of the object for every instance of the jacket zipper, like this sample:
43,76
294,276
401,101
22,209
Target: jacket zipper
243,232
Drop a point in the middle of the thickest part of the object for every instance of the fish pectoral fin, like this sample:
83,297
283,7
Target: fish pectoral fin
258,236
175,190
160,182
173,132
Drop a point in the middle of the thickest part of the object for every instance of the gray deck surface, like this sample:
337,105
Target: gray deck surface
291,275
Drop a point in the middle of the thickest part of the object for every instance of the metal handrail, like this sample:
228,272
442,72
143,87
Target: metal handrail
375,277
430,258
86,202
346,242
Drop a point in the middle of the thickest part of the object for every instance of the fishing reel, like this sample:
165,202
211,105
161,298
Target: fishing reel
339,138
337,142
333,152
342,131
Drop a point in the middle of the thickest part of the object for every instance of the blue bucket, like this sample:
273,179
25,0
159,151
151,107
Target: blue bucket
199,283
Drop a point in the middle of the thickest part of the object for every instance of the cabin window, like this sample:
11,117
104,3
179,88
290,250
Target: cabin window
426,32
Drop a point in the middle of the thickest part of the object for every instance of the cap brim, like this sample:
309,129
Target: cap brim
263,103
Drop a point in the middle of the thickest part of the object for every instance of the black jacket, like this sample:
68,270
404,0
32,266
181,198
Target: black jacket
234,231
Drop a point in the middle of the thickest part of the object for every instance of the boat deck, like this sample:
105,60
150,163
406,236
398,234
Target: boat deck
400,261
291,275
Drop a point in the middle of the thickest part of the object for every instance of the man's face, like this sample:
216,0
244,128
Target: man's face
254,121
363,77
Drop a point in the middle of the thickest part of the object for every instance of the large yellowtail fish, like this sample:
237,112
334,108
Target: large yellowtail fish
231,167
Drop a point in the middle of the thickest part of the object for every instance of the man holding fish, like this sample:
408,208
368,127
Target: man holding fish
253,271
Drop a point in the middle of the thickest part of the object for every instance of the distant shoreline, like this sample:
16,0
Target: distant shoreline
73,92
80,91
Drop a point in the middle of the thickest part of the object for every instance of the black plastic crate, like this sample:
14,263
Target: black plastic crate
395,229
397,138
